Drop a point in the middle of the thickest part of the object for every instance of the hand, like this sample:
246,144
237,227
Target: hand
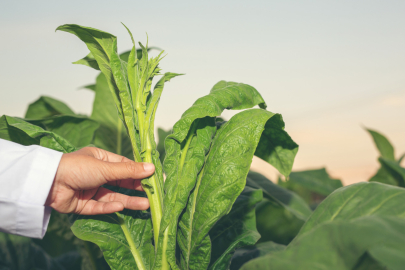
77,184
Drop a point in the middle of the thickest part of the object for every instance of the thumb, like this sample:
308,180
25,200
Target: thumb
127,170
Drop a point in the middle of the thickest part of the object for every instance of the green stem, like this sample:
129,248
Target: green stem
132,247
165,264
154,196
119,137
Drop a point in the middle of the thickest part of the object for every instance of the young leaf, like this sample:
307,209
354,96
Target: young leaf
236,229
101,45
383,145
89,61
46,107
221,180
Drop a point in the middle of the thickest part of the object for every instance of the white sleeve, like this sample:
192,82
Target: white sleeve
26,177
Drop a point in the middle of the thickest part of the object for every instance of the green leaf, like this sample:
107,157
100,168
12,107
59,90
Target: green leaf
22,132
77,130
383,176
317,181
383,145
352,221
111,135
60,243
101,45
281,214
91,87
89,61
279,195
358,200
243,255
46,107
236,229
187,146
221,181
21,253
341,245
395,171
106,231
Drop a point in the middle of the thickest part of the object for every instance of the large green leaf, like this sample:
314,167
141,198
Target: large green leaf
221,181
235,230
383,145
342,245
243,255
358,200
187,146
45,107
107,232
78,130
364,218
281,214
22,132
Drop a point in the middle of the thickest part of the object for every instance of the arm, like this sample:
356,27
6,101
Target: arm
34,179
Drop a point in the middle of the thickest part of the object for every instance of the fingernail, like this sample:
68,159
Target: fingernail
148,167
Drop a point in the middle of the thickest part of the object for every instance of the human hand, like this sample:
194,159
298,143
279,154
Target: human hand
77,184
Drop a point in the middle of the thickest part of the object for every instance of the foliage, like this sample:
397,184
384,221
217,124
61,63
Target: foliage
211,212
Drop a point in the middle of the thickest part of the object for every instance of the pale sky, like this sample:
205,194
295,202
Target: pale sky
329,67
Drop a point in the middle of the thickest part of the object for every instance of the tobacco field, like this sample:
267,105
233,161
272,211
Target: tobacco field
207,209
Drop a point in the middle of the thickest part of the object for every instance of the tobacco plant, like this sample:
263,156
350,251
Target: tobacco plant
206,162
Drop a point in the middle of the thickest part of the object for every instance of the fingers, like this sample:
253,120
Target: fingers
129,202
93,207
128,183
106,202
101,154
113,171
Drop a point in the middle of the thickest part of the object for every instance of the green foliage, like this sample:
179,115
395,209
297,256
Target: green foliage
281,213
211,212
390,172
361,220
312,185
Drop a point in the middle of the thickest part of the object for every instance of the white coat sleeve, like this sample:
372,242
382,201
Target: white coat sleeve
26,177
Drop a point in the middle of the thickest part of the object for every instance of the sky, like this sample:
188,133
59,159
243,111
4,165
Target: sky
331,68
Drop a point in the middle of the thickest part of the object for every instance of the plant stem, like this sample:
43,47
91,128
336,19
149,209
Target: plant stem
165,264
119,137
154,196
132,247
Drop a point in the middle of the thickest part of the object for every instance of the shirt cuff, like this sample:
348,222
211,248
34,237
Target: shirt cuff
40,179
